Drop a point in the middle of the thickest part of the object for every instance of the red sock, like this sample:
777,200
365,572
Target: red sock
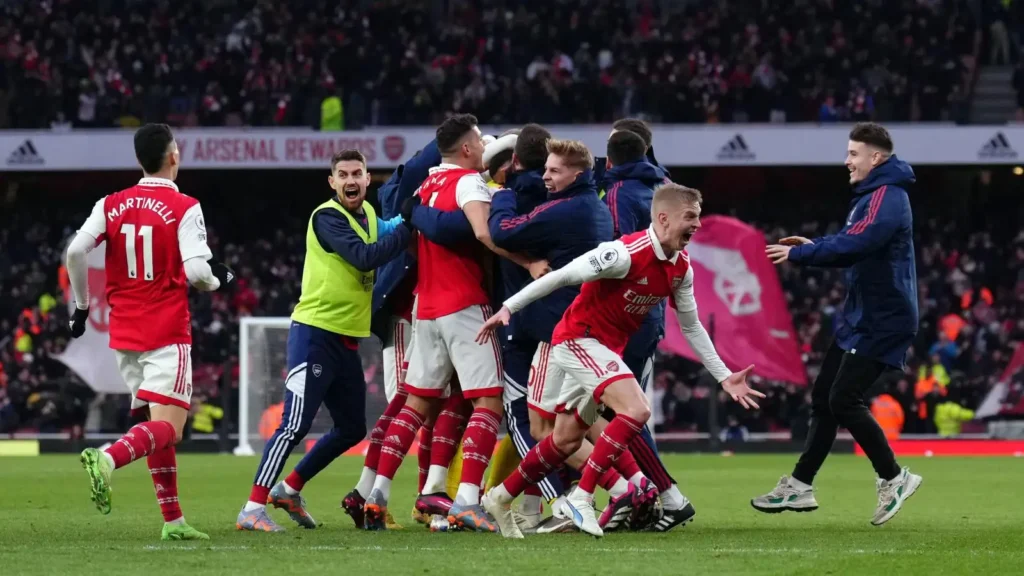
398,440
448,430
423,456
651,465
294,481
539,462
163,467
613,441
380,428
478,444
259,494
626,464
532,490
608,479
142,440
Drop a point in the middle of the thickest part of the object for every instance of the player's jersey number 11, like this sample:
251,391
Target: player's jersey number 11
130,240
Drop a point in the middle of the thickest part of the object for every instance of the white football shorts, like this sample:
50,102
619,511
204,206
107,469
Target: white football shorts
395,361
589,368
161,376
447,345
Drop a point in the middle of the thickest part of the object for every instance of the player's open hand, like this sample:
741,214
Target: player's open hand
538,268
737,387
487,330
778,253
794,241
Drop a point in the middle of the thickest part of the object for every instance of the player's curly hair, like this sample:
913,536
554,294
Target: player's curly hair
152,143
573,152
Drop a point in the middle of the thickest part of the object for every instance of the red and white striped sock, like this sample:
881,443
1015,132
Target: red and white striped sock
477,449
397,442
163,468
613,441
140,441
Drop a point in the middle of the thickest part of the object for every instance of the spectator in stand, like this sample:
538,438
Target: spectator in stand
703,61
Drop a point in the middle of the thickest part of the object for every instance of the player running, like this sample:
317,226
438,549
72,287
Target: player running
345,243
630,179
452,304
155,246
621,280
876,328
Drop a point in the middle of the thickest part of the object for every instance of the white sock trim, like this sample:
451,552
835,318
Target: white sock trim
672,498
384,485
620,488
798,485
437,479
366,482
250,506
468,494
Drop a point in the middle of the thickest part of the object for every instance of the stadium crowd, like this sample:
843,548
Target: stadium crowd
971,298
71,63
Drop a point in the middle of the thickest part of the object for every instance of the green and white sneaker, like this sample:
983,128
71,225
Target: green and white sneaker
893,493
181,532
99,469
785,497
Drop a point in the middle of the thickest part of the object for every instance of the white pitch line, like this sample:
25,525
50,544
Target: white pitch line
756,551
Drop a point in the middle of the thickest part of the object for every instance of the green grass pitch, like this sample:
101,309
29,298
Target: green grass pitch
967,518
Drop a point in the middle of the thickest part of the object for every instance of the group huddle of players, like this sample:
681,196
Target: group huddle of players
564,374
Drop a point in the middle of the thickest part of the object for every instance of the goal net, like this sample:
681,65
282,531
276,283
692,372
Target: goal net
263,365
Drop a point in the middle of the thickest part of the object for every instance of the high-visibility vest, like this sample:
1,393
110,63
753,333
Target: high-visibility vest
889,414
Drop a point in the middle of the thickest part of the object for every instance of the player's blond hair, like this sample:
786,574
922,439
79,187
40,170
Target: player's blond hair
573,152
672,196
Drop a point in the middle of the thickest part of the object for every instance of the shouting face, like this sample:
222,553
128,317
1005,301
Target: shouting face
349,180
678,225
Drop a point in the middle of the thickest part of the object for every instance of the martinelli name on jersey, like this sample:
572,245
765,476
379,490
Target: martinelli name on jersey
142,203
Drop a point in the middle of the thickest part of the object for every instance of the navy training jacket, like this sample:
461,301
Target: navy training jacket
629,192
880,316
566,225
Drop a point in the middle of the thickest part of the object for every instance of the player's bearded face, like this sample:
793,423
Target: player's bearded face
349,181
474,148
682,225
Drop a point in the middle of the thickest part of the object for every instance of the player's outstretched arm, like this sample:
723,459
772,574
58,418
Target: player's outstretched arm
854,242
477,213
608,260
734,383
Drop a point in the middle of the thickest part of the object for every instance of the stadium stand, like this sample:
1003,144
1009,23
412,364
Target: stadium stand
273,63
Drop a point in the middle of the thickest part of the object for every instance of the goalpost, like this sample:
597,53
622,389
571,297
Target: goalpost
262,367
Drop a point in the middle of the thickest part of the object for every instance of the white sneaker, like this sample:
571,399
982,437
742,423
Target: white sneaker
528,522
502,514
893,493
583,514
785,497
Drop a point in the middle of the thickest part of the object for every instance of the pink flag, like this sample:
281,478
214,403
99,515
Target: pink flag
735,283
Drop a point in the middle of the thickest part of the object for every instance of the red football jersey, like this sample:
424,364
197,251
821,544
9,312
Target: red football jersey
610,309
149,229
450,279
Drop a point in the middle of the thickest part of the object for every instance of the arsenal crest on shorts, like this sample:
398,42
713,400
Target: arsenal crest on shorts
613,366
317,370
